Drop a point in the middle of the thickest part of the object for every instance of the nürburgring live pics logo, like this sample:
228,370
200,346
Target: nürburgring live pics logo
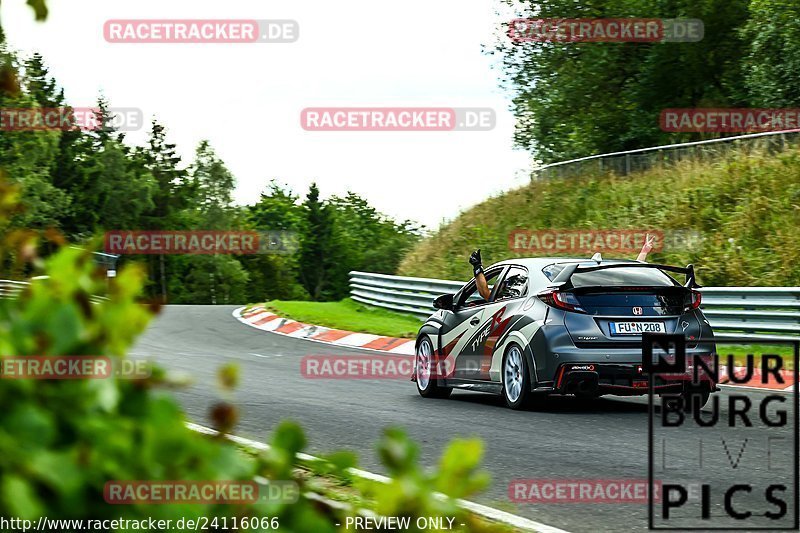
742,447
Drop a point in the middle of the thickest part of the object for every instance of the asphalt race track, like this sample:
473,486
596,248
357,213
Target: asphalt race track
564,439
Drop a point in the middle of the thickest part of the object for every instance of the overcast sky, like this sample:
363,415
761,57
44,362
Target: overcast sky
247,98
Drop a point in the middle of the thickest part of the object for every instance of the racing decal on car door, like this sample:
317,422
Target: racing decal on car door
454,342
445,361
481,345
447,349
499,325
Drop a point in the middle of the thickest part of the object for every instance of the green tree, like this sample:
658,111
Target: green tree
274,276
210,278
214,189
175,190
364,239
773,63
277,209
316,247
578,99
39,85
122,192
110,188
29,157
173,195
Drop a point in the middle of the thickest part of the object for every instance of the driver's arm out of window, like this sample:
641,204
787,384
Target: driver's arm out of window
483,287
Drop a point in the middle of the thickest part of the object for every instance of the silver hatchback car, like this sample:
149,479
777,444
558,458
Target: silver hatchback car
561,326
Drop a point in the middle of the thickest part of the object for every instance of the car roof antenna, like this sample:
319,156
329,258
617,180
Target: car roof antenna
597,257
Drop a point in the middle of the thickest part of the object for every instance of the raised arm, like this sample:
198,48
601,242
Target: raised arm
480,279
649,240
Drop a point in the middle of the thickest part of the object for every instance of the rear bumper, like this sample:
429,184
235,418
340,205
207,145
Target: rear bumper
620,379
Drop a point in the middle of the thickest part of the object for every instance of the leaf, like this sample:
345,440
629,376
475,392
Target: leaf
289,437
57,469
39,8
228,376
20,498
33,427
397,452
458,474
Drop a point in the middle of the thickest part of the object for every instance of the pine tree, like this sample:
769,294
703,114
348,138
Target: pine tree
315,245
173,192
39,85
215,184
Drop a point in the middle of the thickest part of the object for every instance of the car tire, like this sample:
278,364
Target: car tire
515,378
426,385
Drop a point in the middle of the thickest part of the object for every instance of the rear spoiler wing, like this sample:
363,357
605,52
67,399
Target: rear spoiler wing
564,278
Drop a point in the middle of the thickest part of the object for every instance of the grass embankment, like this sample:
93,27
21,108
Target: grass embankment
349,315
740,353
746,210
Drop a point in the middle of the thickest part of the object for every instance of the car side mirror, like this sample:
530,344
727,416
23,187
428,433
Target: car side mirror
445,301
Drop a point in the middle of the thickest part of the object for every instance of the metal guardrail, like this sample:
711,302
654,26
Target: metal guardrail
398,293
623,163
10,289
754,312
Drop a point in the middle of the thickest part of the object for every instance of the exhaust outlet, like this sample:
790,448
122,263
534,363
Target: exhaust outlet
587,386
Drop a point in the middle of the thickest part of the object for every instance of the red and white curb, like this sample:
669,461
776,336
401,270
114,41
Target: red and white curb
260,318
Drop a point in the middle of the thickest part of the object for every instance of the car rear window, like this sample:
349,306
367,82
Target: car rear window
623,277
551,271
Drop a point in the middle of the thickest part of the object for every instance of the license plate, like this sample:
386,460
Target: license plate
637,328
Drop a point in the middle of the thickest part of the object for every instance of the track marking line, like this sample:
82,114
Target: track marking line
747,387
482,510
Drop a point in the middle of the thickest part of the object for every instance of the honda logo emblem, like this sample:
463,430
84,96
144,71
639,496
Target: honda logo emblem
637,311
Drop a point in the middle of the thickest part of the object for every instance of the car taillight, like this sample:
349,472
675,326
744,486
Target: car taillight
694,300
561,300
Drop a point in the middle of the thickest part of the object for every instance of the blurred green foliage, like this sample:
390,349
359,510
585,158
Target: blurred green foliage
62,440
